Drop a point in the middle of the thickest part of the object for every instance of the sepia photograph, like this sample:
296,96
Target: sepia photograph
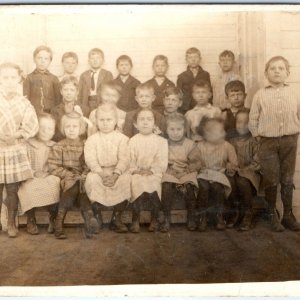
149,144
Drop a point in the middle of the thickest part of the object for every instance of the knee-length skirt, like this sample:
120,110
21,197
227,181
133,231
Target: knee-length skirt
108,196
38,192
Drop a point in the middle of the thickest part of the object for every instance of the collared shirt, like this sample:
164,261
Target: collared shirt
275,112
42,89
96,75
195,115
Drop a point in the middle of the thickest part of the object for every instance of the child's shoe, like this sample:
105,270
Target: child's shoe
11,224
135,227
246,222
154,225
51,225
165,227
289,221
275,222
31,226
59,230
118,225
232,219
220,222
191,223
91,224
202,222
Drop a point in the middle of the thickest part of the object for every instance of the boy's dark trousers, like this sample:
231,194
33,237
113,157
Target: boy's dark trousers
67,200
277,157
169,191
12,205
211,195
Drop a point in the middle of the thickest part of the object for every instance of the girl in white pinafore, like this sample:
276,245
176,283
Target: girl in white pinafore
43,189
149,160
107,155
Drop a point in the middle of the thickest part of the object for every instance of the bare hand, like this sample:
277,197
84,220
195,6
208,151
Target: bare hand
40,174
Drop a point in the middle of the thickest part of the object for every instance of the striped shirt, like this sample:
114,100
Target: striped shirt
275,112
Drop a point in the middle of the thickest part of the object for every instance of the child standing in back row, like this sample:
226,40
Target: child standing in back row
160,82
275,123
127,83
227,74
18,122
41,87
186,79
69,62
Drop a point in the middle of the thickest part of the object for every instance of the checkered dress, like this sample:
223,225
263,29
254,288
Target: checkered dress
38,192
16,115
66,161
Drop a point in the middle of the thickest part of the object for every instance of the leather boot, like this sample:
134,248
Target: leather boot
288,221
118,225
135,225
90,223
220,221
11,224
31,222
275,222
247,221
202,225
51,226
59,224
98,215
165,227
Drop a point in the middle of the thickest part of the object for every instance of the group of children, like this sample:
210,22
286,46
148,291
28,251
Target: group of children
103,142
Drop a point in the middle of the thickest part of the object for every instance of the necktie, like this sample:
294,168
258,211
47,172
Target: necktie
93,81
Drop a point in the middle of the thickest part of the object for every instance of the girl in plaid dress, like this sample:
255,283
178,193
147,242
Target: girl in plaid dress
43,189
149,160
107,155
66,161
18,122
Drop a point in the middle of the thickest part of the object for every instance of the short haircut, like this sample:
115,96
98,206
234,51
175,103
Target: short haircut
69,79
172,90
73,116
112,85
145,86
205,122
235,86
193,50
43,48
107,107
96,51
69,55
46,116
9,65
135,117
277,58
202,84
160,57
177,118
124,57
228,53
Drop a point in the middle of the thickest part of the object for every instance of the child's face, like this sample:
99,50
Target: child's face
145,97
106,121
201,95
69,92
236,98
277,72
160,68
214,133
226,63
193,60
175,131
241,124
96,61
42,60
145,122
69,65
109,95
72,129
124,67
9,79
172,103
46,129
